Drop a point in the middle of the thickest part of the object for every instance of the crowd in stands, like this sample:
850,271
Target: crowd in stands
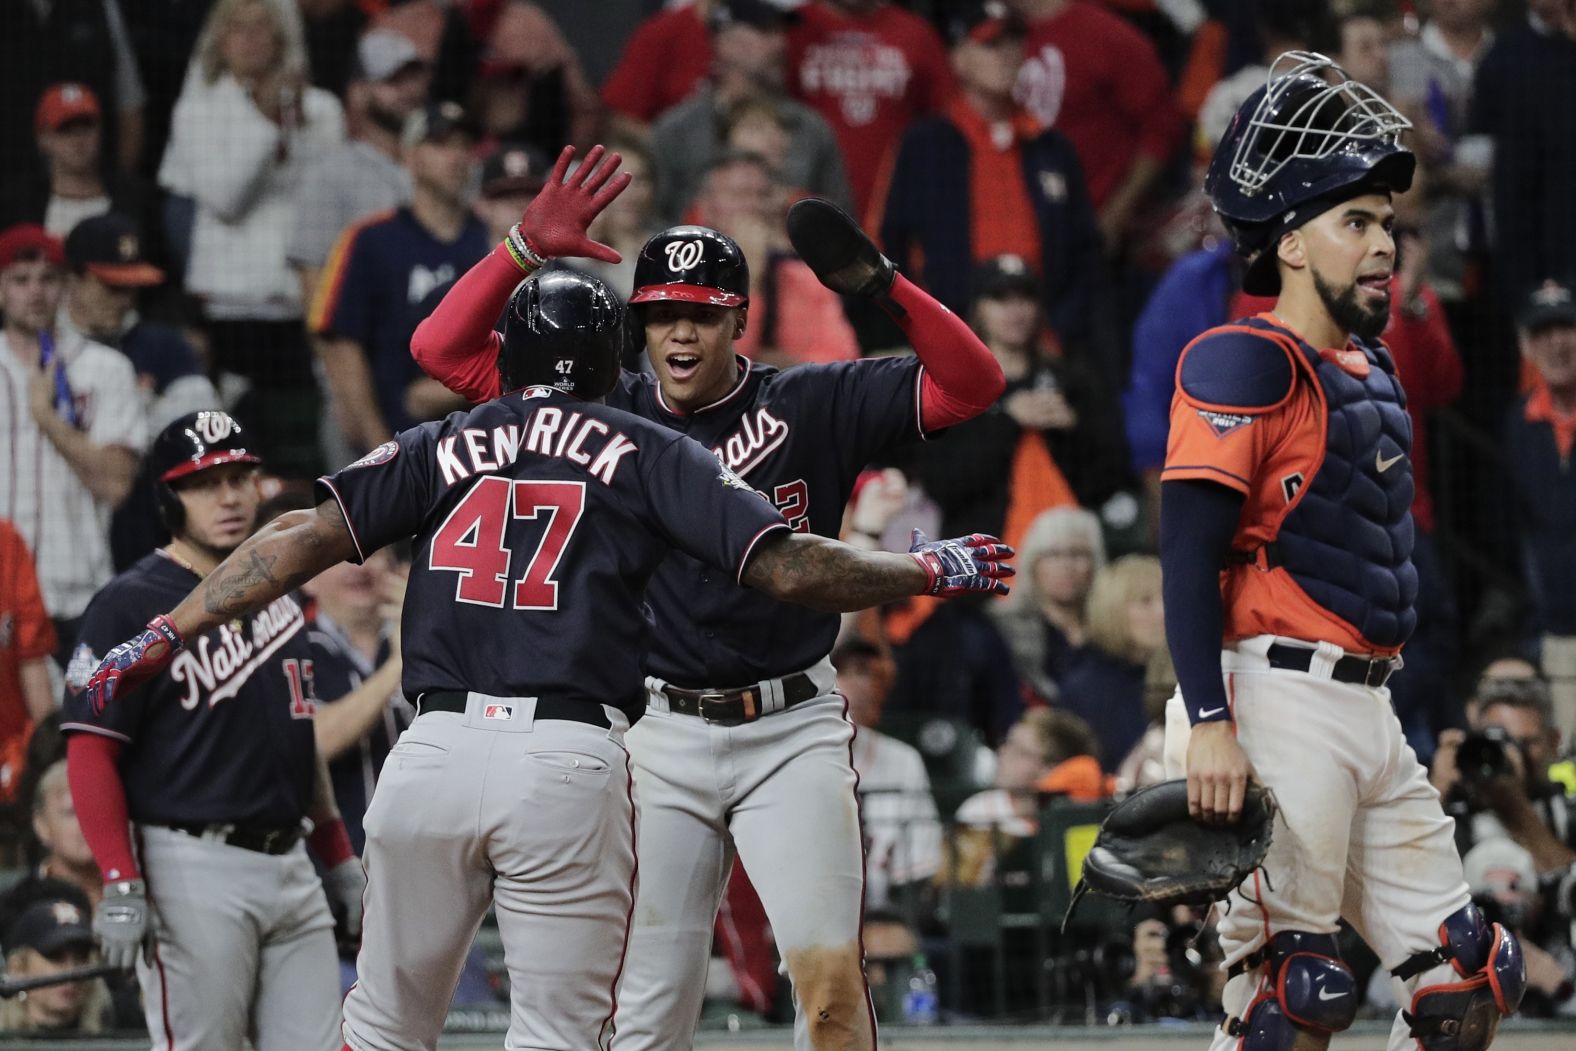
251,204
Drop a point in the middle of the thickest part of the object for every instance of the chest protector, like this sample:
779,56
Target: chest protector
1346,536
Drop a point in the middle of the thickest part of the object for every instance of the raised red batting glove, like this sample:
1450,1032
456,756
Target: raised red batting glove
555,222
957,567
133,663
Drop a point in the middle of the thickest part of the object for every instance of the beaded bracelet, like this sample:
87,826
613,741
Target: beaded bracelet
522,252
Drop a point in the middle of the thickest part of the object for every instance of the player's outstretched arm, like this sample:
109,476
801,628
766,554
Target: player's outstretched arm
825,574
962,377
274,561
456,344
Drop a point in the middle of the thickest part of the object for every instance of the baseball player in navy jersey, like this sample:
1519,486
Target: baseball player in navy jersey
746,749
192,792
538,517
1286,539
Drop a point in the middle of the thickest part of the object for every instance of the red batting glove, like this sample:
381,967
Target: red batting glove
130,664
555,222
972,563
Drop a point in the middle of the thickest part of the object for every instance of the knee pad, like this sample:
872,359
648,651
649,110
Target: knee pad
1464,1015
1306,986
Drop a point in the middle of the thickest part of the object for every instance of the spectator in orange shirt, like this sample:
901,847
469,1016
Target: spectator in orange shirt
27,639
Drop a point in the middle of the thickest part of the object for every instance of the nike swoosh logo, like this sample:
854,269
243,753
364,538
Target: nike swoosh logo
1384,465
1325,994
1205,713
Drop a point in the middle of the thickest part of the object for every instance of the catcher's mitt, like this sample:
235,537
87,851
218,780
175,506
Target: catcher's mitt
1150,850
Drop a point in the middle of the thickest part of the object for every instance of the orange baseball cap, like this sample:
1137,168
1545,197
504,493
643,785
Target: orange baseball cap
63,103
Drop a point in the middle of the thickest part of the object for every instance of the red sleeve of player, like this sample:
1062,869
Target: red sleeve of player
1143,91
962,377
456,344
100,801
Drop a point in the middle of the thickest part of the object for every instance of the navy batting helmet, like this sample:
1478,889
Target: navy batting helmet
692,264
195,442
565,330
1309,139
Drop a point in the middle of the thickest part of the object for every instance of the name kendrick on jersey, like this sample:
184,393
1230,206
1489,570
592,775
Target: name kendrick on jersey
551,432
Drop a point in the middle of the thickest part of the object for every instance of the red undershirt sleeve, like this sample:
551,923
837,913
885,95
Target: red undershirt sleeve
100,801
962,378
456,344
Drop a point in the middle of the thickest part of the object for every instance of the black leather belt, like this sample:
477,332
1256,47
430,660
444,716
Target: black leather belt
736,707
546,707
264,839
1361,671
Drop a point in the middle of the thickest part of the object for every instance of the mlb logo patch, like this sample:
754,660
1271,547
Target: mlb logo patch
498,711
1223,423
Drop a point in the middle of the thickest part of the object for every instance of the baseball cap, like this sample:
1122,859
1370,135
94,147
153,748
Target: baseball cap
1551,303
108,247
514,167
381,53
26,240
984,22
49,927
1003,274
438,121
758,14
63,103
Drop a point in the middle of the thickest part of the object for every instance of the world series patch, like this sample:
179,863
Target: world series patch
1223,423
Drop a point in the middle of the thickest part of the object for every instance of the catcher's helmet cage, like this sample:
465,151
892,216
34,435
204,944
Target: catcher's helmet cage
1310,138
692,264
195,442
564,330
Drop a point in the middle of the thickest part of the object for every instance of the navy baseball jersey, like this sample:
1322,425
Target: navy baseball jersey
800,437
340,668
225,733
538,520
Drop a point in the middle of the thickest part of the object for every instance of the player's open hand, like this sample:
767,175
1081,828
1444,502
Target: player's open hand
1218,772
555,222
962,565
130,664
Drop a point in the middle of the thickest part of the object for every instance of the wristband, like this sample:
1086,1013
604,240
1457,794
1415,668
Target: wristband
522,251
331,843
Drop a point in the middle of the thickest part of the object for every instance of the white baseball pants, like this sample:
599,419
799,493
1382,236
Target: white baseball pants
1360,833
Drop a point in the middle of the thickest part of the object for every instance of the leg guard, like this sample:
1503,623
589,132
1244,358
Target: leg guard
1464,1015
1305,986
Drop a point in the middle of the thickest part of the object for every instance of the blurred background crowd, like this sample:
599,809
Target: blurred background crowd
252,203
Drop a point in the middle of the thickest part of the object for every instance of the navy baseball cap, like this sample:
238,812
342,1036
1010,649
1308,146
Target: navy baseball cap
438,121
1002,275
107,246
984,22
514,167
758,14
50,927
1551,303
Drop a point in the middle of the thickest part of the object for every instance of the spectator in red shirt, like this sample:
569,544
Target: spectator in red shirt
870,69
1097,80
27,638
666,57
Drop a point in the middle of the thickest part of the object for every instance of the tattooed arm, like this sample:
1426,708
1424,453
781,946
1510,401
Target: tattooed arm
274,561
823,574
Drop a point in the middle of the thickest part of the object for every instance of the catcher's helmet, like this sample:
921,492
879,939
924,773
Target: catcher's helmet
564,330
1309,139
195,442
692,264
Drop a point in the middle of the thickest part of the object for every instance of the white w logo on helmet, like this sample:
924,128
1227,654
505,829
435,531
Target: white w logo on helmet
683,255
214,426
